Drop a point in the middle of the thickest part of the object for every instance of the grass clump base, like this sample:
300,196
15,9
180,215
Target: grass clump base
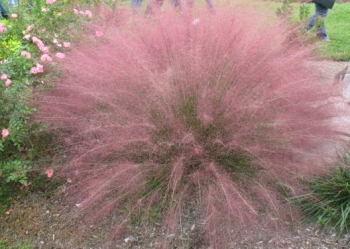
328,203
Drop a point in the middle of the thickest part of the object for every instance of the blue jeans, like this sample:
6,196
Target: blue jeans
3,13
321,13
135,6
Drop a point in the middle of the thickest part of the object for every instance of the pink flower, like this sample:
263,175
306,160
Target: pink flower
26,37
5,133
54,40
40,68
98,33
88,13
2,28
38,42
50,1
33,70
59,45
26,54
3,76
49,173
76,11
45,57
8,82
60,55
37,69
69,180
44,49
14,16
66,44
30,27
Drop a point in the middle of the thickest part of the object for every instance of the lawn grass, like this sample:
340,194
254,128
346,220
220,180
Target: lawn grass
338,28
337,23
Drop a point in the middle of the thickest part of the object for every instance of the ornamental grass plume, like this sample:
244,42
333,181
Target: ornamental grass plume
165,114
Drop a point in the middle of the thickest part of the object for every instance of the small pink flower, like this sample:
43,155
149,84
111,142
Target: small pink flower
3,76
2,28
33,70
37,41
59,45
30,27
5,133
49,173
26,37
60,55
14,16
66,44
44,49
28,184
40,68
45,57
50,1
88,13
98,33
54,40
26,54
8,82
69,180
75,11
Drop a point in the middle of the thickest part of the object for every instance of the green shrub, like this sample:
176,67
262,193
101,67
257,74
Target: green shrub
19,146
328,203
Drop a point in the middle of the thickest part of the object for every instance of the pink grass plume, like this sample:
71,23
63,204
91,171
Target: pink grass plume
169,112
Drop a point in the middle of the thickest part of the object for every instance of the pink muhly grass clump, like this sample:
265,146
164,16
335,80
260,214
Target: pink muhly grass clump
163,112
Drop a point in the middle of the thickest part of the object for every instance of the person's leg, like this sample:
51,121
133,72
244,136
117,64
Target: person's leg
135,6
3,11
322,13
154,5
311,20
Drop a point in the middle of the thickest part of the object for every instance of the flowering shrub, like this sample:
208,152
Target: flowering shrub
36,31
170,113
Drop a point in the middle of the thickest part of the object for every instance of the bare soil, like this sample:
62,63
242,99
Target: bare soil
48,223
